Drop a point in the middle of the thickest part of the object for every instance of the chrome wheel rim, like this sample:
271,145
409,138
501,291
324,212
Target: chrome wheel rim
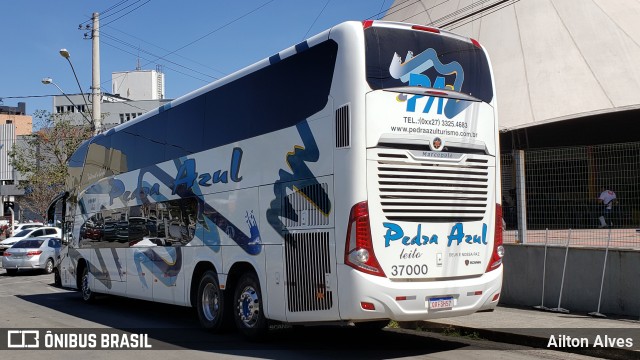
249,306
210,302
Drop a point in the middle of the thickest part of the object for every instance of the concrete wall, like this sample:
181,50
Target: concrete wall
522,284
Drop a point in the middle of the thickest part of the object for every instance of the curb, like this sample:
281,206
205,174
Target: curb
533,341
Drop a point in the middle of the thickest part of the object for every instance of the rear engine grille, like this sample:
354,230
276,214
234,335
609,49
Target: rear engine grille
307,266
432,191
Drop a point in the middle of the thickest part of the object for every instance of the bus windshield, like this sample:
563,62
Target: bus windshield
394,59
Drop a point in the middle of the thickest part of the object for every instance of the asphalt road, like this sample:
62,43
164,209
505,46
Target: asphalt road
30,301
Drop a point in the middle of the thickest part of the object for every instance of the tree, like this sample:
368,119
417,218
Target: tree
41,158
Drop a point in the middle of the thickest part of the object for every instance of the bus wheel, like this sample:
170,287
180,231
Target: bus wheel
210,303
248,311
87,294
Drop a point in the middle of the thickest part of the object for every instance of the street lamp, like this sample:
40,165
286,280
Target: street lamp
65,54
48,81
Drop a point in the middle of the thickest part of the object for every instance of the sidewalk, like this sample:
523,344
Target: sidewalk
576,333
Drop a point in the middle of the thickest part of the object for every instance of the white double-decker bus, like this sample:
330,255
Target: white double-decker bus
351,178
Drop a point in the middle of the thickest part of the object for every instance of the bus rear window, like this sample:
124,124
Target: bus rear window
397,57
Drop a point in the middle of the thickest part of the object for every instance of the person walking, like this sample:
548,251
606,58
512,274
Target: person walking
607,198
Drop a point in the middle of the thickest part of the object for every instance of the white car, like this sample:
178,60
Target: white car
19,227
48,231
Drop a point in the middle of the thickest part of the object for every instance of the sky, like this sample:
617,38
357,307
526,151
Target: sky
195,42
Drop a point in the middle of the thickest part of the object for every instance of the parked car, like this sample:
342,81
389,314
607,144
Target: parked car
22,226
34,232
32,253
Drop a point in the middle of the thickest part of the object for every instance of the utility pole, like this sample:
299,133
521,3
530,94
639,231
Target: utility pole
95,85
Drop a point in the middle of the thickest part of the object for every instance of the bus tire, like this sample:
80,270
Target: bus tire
87,295
248,310
210,303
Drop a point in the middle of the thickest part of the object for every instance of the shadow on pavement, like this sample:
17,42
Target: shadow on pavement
176,327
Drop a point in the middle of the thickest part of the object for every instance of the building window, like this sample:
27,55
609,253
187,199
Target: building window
121,118
59,109
9,122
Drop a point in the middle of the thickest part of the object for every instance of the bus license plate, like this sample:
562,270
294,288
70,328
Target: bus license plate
441,303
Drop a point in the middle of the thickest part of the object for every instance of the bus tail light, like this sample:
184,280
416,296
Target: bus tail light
498,249
358,251
425,28
476,43
367,24
367,306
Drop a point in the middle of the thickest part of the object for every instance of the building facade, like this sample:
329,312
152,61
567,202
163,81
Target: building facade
115,109
14,123
17,116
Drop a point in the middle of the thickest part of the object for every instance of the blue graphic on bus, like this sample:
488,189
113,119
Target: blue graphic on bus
187,173
166,271
412,70
456,236
208,217
300,179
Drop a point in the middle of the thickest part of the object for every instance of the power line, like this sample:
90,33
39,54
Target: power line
214,31
123,15
460,11
105,11
426,10
394,7
103,17
24,97
113,7
314,21
154,55
381,7
180,72
174,51
167,50
483,15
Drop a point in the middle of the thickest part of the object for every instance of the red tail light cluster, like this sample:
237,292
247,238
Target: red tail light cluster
34,252
425,28
358,252
498,249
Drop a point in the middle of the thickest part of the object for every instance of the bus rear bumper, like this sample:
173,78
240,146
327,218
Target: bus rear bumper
367,297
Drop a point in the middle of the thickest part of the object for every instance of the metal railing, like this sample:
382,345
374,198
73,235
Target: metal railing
560,188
